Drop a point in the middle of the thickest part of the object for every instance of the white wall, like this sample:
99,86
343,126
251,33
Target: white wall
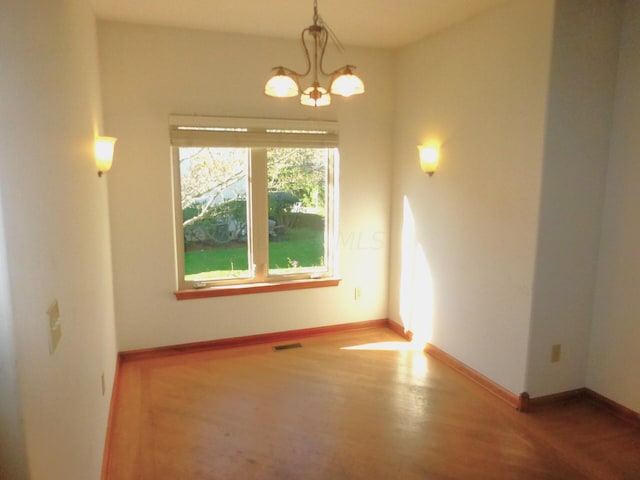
614,359
56,234
463,241
580,106
151,72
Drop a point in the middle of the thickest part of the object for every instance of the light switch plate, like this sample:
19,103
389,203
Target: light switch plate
55,326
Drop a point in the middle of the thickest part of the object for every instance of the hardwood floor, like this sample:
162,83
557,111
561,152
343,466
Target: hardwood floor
354,405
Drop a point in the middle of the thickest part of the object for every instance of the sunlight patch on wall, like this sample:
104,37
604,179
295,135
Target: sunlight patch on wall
416,283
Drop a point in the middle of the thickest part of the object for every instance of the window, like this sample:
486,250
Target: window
255,200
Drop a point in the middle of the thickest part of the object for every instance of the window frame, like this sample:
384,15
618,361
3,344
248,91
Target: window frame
257,135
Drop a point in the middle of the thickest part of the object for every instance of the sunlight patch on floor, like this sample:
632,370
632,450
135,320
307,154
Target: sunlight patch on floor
400,346
412,360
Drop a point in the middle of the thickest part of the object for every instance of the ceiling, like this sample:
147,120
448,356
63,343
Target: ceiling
368,23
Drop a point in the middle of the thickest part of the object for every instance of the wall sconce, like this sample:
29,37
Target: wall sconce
429,155
104,153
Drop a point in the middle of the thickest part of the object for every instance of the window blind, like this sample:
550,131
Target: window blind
202,131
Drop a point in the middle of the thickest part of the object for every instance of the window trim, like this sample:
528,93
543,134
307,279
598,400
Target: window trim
256,287
256,135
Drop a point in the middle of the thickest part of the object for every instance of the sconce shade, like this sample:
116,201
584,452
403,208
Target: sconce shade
104,153
281,85
429,156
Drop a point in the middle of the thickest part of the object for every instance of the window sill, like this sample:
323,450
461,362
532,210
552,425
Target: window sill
249,288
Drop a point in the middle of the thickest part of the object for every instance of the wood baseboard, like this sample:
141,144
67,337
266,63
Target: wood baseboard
502,393
615,408
519,402
578,394
557,398
111,421
235,342
400,330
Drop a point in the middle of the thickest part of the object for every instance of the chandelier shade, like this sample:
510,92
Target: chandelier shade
285,82
281,85
315,96
346,83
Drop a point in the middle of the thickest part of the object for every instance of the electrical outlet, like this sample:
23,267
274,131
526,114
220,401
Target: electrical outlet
556,350
356,293
55,326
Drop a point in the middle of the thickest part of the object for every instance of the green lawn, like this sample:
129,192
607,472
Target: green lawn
302,245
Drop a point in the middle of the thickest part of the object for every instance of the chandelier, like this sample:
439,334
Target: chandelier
286,82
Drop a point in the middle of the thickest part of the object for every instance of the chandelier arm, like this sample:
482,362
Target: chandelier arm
306,53
316,67
340,70
307,57
289,71
324,40
286,70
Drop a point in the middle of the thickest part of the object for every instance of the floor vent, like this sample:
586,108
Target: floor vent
287,346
